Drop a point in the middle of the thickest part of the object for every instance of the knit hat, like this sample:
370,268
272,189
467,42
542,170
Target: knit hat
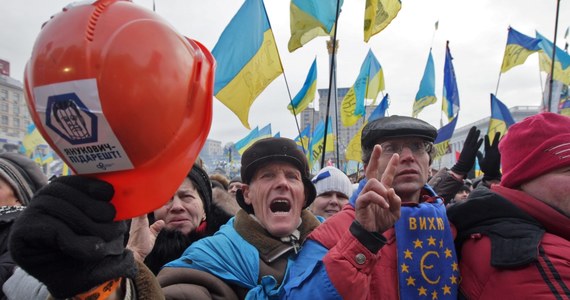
533,147
22,174
203,185
271,150
331,179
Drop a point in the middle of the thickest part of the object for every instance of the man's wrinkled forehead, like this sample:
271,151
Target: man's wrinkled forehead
275,165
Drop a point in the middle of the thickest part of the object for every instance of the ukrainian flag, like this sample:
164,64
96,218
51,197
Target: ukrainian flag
450,103
426,94
378,14
303,140
317,140
307,93
354,148
501,118
48,158
519,47
264,132
368,85
31,140
247,59
247,141
309,19
444,134
561,61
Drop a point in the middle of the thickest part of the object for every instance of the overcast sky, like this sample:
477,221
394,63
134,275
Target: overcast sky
477,31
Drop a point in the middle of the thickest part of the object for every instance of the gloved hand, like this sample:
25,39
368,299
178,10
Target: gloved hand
491,163
469,152
67,238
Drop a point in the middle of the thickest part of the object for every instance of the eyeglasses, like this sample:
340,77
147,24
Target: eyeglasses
417,147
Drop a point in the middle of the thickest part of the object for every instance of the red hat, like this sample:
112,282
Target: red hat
533,147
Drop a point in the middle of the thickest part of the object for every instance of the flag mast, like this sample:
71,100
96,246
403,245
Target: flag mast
331,77
333,46
553,60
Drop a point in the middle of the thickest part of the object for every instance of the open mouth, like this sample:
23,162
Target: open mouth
280,206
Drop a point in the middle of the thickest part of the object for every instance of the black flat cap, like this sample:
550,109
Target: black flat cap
391,127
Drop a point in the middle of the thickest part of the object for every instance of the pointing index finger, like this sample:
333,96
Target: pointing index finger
374,163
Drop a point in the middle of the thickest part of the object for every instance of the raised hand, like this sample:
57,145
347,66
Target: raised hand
378,207
142,236
469,152
491,163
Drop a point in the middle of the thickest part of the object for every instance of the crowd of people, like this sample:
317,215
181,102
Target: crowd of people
280,232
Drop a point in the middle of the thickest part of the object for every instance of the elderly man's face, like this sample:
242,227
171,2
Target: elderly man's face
553,188
413,168
277,195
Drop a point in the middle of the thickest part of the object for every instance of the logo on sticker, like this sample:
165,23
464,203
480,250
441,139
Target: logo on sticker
70,118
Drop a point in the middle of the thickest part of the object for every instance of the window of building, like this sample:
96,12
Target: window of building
3,94
4,120
16,97
16,109
17,122
4,106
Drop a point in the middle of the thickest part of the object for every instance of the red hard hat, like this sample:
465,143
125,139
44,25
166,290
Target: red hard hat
121,96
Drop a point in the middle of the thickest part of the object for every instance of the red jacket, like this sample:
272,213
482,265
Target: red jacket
379,268
513,246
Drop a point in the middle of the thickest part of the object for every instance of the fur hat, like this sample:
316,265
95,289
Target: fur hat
533,147
271,150
22,174
331,179
203,185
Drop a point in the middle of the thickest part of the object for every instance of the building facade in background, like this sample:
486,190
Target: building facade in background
14,114
458,138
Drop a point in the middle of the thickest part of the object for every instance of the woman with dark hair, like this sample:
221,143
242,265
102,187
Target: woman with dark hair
188,216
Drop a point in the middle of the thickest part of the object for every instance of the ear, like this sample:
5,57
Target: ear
245,192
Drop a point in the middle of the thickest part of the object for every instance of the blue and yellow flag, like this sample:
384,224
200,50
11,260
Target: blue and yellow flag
477,167
317,140
48,158
354,148
303,140
307,93
450,103
264,132
65,170
444,134
32,139
247,59
501,118
309,19
368,84
426,93
247,141
519,47
561,61
564,102
427,262
378,14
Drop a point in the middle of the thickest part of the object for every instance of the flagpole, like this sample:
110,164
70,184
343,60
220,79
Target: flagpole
553,60
335,91
286,82
333,67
